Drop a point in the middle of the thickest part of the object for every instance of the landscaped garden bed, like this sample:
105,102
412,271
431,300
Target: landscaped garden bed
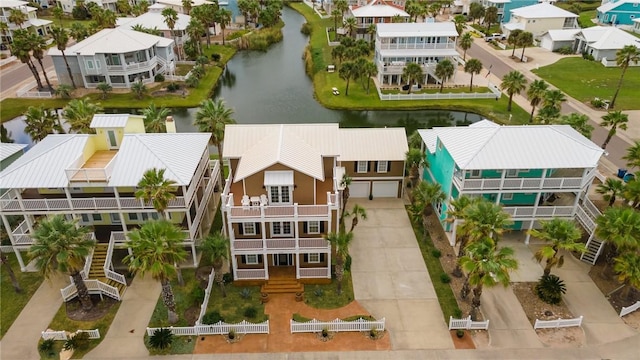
613,291
325,296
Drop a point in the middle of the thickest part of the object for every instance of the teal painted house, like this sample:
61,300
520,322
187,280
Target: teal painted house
534,172
620,12
505,6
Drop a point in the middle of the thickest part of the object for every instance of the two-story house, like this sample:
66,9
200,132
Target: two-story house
618,12
40,26
119,57
375,12
540,18
282,195
534,172
68,5
93,178
426,44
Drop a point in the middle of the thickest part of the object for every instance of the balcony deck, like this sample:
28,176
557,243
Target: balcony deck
99,160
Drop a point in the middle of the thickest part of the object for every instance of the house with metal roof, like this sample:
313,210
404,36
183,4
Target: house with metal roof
154,20
375,12
283,193
39,26
426,44
534,172
9,153
539,18
603,42
119,57
93,178
618,12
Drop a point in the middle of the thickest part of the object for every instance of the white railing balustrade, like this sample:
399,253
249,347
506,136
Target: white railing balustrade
423,45
249,274
549,324
259,244
629,309
90,203
586,220
493,93
219,328
520,212
518,183
467,324
207,294
314,273
96,287
63,335
337,325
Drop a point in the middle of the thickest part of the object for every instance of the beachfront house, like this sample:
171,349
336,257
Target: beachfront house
539,18
374,12
618,12
40,26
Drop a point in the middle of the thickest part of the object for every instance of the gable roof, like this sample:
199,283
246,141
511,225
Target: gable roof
607,37
154,19
562,35
447,28
117,41
7,150
378,8
109,121
368,144
515,147
542,11
614,4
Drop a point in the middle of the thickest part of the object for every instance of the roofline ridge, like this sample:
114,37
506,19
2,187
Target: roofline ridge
159,158
495,131
591,146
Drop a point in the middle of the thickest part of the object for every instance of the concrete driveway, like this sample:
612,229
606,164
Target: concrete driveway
391,280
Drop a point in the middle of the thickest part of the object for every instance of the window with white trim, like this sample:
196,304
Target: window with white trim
279,194
313,227
313,258
508,196
512,173
85,218
475,173
383,166
133,216
249,228
362,167
281,229
97,217
251,259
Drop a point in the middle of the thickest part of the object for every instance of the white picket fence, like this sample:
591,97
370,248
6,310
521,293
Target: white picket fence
549,324
494,93
64,335
219,328
27,92
205,302
467,324
629,309
337,325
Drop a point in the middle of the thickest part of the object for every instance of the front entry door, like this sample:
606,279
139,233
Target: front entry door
283,259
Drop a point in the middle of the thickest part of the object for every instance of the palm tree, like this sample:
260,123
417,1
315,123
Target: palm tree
105,88
444,70
620,228
340,241
613,120
155,248
21,48
524,39
61,38
491,16
411,73
217,246
513,82
536,93
476,11
426,194
369,70
485,219
336,14
154,118
457,211
154,188
358,212
78,31
554,99
371,30
338,53
627,266
351,25
212,117
460,21
610,190
187,5
415,158
513,40
79,113
17,17
560,234
64,91
224,19
625,56
486,266
195,28
579,122
632,193
4,261
473,67
170,18
466,40
62,246
139,89
633,155
39,123
347,71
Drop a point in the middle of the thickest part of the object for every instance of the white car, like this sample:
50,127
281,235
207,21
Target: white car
495,36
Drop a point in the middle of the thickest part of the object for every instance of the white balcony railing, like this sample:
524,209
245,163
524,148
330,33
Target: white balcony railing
249,274
144,65
518,183
90,203
295,210
315,272
402,46
398,67
531,212
281,244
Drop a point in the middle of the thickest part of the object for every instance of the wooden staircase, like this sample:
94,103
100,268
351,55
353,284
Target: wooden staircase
594,247
282,286
96,272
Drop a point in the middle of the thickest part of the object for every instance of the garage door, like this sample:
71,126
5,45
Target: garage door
546,43
385,189
359,189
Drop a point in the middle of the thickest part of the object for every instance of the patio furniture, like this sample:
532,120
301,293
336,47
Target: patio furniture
264,201
245,201
255,200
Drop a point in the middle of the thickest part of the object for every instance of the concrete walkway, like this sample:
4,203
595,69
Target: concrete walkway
125,336
21,341
391,280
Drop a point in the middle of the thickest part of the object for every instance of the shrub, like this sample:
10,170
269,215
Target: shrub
565,50
597,103
436,253
550,289
212,317
173,87
373,333
197,295
78,341
216,57
445,278
227,278
460,333
192,81
202,60
325,332
306,29
46,346
250,312
159,78
197,71
245,293
318,292
232,334
457,313
161,338
588,56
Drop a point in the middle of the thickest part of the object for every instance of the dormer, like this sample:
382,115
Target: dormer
110,128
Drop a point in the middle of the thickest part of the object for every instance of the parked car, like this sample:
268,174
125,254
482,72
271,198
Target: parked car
495,36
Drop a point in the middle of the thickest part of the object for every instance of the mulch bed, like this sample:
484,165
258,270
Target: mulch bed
465,342
99,310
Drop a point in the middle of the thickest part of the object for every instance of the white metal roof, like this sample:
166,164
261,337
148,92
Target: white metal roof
418,52
194,3
7,150
378,8
12,3
484,123
44,165
117,41
563,35
542,11
614,4
607,37
514,25
178,153
447,28
39,22
154,19
515,147
109,121
388,144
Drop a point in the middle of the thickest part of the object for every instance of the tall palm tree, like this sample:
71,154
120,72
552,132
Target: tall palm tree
560,234
195,28
625,56
491,16
155,248
444,70
369,70
4,261
415,158
473,67
466,40
610,190
40,122
632,193
171,18
348,70
156,189
457,211
212,117
62,246
21,48
61,38
554,99
154,118
613,120
340,242
371,30
485,219
224,19
187,5
578,122
17,17
426,194
358,212
627,266
79,113
536,93
524,39
350,24
38,46
633,155
336,14
460,21
620,228
513,82
513,40
217,246
486,266
412,73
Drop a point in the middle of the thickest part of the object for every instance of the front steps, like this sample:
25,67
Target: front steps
97,262
282,286
594,247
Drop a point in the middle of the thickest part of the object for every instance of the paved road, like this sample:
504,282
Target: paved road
19,72
616,148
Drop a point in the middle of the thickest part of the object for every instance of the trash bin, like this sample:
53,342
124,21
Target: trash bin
622,173
628,177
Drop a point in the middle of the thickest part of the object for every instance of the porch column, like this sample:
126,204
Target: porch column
454,232
234,265
69,197
329,263
123,223
193,252
526,239
575,205
265,262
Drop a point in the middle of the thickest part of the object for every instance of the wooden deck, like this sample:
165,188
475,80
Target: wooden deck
282,272
93,168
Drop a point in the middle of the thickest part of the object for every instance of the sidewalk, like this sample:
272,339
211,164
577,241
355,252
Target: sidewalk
21,341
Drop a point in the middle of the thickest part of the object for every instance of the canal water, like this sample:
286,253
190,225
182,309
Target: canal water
272,87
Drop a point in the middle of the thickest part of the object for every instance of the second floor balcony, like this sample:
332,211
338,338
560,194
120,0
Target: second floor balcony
133,66
386,45
397,67
252,245
564,179
255,209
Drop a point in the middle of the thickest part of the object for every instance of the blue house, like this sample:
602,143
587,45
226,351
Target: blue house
534,172
505,6
619,12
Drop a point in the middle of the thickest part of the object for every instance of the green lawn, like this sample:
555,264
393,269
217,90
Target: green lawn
584,18
464,89
65,22
62,322
12,303
232,307
584,80
325,296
